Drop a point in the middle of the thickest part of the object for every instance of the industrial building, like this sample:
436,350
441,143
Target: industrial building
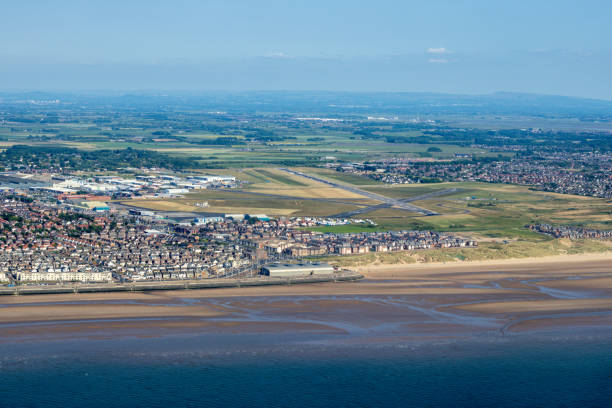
207,220
97,206
299,269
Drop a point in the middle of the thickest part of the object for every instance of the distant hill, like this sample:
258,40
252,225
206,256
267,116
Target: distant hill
335,103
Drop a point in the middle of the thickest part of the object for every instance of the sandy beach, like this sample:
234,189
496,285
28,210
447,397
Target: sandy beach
393,303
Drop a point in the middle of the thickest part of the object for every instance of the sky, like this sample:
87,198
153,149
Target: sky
457,46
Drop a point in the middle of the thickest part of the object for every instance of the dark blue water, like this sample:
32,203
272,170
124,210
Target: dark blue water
563,374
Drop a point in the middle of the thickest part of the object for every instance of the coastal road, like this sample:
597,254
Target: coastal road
403,204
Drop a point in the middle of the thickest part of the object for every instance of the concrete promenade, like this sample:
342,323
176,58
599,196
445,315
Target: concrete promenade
176,285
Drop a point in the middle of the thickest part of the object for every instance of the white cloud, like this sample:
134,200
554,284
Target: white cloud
437,61
278,55
440,50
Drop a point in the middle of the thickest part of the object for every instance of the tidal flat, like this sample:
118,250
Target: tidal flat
393,305
464,335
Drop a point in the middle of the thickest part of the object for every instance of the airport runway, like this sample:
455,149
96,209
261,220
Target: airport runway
403,204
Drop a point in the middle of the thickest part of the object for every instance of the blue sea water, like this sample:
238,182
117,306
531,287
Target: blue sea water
523,374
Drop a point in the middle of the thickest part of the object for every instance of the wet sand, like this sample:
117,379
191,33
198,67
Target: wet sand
392,304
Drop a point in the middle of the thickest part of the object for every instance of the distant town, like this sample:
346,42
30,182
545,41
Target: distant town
566,231
586,174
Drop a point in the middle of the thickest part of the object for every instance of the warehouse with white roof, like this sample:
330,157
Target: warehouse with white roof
299,269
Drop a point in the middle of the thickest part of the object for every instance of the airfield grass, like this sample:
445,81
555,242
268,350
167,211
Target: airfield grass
492,210
482,210
274,181
345,229
311,192
281,178
281,183
407,190
238,203
347,178
245,175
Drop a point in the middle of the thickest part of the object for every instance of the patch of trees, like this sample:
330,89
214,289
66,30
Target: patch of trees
22,119
8,216
58,157
69,216
66,137
264,135
481,205
366,134
20,198
223,141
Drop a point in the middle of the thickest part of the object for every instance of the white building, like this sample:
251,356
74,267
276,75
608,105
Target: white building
64,276
300,269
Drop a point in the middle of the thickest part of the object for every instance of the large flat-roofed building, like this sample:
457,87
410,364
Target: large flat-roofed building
300,269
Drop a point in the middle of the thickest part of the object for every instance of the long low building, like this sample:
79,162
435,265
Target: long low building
65,276
299,269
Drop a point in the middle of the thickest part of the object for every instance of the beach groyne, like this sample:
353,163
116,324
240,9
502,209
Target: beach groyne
177,285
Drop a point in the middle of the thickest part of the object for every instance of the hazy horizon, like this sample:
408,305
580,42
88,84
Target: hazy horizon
462,47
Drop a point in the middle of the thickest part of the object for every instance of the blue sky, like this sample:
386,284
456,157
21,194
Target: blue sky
557,47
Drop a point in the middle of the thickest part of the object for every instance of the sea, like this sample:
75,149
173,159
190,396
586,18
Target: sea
195,372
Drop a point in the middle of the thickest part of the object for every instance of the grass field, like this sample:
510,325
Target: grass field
342,177
281,178
345,229
307,146
274,181
492,210
223,202
289,188
407,190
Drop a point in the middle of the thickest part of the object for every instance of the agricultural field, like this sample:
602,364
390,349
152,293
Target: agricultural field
270,141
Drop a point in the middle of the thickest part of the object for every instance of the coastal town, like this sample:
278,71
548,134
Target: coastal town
44,238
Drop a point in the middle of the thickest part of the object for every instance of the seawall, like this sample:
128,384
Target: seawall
177,285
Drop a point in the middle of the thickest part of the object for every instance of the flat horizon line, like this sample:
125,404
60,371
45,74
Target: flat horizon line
178,91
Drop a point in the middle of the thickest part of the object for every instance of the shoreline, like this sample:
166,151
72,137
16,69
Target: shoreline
77,288
571,258
397,305
352,274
